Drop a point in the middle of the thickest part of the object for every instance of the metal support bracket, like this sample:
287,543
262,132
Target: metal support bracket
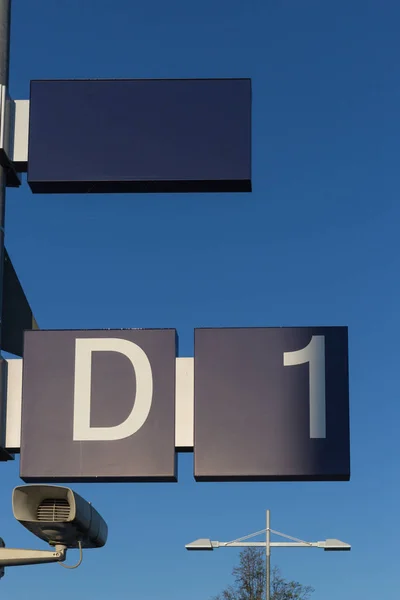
18,557
14,133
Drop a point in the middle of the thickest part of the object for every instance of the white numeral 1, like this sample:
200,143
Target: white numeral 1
314,355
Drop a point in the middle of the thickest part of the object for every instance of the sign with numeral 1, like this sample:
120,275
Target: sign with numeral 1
271,404
104,405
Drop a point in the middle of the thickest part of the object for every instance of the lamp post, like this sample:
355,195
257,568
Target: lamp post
268,557
329,545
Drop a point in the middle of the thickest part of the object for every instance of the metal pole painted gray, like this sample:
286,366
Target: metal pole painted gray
5,21
268,558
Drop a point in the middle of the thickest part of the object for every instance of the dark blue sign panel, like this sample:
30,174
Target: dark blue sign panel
99,405
17,314
168,135
271,404
4,455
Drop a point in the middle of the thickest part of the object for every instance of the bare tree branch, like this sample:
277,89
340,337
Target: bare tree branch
249,581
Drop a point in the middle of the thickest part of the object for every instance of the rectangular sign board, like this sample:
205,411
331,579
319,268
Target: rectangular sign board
99,405
271,404
147,135
263,404
17,314
4,454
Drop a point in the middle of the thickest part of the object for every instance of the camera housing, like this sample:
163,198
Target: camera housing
59,516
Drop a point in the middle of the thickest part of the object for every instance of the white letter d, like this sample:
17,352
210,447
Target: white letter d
84,348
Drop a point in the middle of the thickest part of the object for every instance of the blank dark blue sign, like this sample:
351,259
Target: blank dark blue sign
170,135
17,315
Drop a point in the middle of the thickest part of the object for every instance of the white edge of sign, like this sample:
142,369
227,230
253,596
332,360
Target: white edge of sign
21,133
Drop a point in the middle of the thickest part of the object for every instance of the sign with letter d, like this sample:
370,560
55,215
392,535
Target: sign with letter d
98,405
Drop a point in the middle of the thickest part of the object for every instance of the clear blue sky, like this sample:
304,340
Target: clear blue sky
317,242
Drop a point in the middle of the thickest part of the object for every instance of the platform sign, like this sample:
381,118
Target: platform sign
271,404
99,405
140,135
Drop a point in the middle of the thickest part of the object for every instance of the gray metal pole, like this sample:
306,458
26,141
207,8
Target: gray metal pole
268,558
5,23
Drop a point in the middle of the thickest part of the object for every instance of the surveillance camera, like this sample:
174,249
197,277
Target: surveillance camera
59,516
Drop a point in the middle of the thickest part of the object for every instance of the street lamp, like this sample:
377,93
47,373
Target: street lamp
329,545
